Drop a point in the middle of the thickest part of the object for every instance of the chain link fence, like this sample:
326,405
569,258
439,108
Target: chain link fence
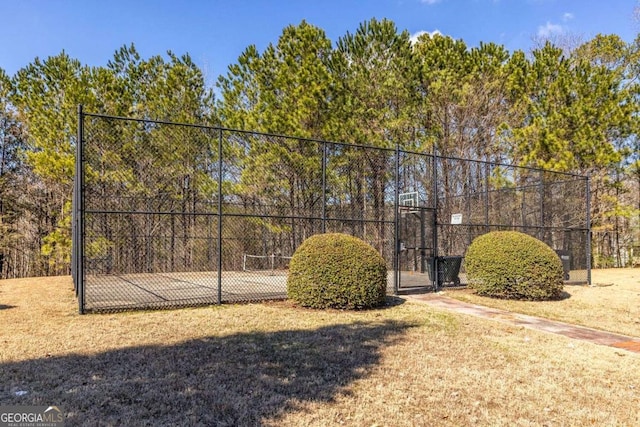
173,215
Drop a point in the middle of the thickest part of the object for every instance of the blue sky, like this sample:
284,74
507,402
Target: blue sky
215,32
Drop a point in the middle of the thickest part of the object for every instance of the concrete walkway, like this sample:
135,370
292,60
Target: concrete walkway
572,331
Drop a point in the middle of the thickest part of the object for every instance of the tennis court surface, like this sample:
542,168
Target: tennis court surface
158,290
164,290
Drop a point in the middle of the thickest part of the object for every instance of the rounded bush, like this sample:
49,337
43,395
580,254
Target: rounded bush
336,270
513,265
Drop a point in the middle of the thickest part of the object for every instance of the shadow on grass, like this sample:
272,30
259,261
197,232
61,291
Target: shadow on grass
393,301
563,295
468,291
242,379
416,290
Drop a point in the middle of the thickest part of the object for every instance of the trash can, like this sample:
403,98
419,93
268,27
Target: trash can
448,269
565,257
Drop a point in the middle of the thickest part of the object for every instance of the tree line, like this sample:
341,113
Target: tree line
572,109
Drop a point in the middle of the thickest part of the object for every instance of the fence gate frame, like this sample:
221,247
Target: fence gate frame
417,249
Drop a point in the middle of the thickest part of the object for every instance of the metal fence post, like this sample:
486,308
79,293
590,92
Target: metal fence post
78,251
324,187
74,228
541,230
487,171
588,215
220,216
396,225
434,261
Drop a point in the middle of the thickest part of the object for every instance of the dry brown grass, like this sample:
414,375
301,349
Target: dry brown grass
275,364
611,304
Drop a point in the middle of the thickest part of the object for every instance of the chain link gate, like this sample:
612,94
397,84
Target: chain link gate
416,247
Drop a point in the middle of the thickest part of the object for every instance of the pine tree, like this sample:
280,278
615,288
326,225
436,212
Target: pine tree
46,94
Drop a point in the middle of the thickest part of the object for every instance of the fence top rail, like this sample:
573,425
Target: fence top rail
507,165
321,141
224,129
493,163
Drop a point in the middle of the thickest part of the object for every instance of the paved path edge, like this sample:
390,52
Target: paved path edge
551,326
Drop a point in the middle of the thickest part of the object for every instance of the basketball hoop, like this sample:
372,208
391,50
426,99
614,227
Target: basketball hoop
408,203
404,210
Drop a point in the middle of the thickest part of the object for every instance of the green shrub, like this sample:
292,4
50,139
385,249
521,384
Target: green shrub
337,271
513,265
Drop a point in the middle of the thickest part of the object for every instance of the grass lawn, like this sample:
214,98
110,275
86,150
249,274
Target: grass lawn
275,364
611,304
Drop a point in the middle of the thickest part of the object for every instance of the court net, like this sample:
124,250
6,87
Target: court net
270,264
